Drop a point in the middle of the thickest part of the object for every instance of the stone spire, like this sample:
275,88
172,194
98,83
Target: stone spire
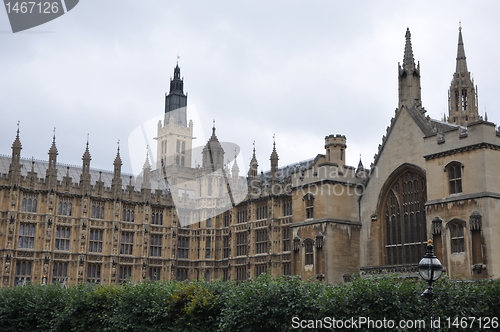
274,161
409,77
176,101
462,96
15,164
461,59
235,170
85,176
213,153
116,182
360,165
51,176
146,170
254,165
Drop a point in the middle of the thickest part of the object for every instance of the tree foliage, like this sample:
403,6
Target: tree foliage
263,304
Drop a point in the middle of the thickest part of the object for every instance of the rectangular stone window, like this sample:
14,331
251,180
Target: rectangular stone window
261,241
286,239
226,246
183,247
26,236
127,243
261,212
63,234
155,245
125,273
97,210
157,217
65,207
155,273
94,273
241,243
59,272
128,213
29,203
23,273
95,240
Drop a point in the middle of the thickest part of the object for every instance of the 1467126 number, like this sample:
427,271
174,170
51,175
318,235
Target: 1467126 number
32,7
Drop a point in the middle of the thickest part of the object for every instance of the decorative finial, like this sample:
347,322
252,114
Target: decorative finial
459,25
118,143
254,147
178,57
213,125
274,139
87,138
54,133
18,122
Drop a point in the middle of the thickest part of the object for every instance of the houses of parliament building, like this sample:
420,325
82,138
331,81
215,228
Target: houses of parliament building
319,218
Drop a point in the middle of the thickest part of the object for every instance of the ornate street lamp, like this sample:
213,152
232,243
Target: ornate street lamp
430,269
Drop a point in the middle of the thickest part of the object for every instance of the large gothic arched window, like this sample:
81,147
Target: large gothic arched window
404,225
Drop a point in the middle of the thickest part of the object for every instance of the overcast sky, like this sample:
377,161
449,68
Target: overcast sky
301,70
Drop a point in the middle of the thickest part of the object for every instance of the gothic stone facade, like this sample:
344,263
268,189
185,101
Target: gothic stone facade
318,219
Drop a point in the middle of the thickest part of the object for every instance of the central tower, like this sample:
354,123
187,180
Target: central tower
175,134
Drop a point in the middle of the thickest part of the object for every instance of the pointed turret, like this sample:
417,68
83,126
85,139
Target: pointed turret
409,77
461,59
360,165
51,176
176,100
254,165
85,176
213,153
116,182
274,162
15,164
146,176
462,96
235,170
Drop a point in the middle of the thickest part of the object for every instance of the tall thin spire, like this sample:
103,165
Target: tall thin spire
15,164
409,77
408,60
461,59
116,182
462,96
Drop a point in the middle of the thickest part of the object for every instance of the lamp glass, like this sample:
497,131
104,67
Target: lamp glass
430,268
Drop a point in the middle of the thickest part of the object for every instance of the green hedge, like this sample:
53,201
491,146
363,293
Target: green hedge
264,304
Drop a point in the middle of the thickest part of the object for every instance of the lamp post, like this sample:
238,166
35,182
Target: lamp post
430,269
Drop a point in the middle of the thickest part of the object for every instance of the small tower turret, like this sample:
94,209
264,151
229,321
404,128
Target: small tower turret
335,146
409,77
51,176
462,96
85,176
213,153
116,182
15,164
254,165
274,162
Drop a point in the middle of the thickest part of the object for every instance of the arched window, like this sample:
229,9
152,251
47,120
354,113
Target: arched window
178,146
309,205
309,251
183,150
182,161
177,160
454,170
456,228
404,227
